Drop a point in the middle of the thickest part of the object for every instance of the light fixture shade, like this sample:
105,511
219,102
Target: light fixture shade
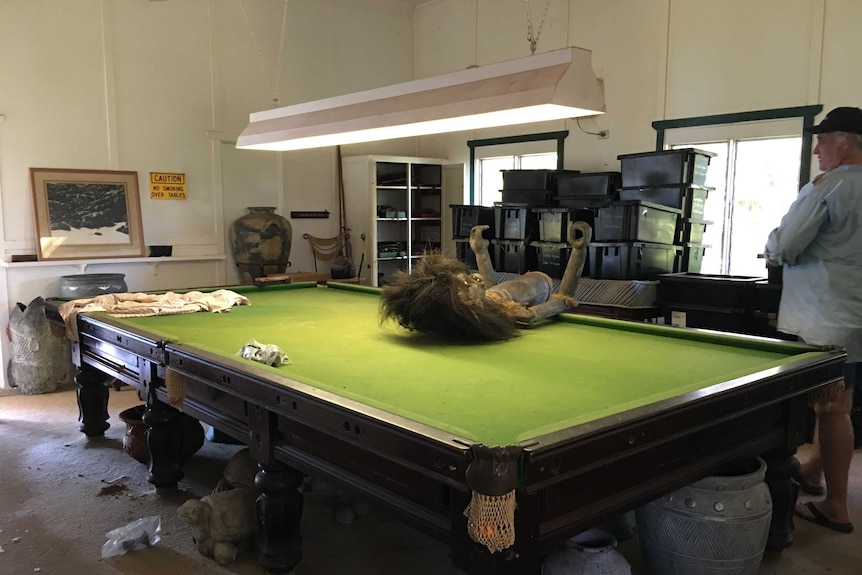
549,86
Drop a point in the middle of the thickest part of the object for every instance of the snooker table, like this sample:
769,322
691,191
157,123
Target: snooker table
583,417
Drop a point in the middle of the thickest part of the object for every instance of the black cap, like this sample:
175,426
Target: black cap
842,119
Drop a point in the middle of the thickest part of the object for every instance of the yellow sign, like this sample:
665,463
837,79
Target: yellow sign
167,186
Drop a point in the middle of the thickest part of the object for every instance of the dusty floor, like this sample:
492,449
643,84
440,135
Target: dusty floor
56,505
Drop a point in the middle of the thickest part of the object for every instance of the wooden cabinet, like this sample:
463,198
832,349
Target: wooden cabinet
405,207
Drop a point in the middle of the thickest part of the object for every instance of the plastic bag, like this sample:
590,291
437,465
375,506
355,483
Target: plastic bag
138,534
263,353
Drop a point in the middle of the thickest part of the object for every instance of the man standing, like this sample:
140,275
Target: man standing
819,243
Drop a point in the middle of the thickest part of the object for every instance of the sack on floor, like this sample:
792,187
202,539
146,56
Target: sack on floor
40,359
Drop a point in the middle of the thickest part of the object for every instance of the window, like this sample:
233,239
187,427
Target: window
755,182
490,174
491,155
762,159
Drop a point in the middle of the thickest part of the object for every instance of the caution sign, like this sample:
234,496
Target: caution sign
167,186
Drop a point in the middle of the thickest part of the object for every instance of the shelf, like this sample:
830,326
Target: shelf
82,265
396,186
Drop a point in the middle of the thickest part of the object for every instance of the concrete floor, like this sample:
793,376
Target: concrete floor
55,510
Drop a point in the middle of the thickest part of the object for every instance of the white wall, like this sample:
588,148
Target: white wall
659,59
166,87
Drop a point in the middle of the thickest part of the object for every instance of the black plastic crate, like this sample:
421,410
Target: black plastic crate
768,296
513,221
631,260
529,197
775,274
690,199
691,259
552,257
690,230
667,167
464,254
513,256
553,223
582,202
465,217
717,318
636,221
588,184
527,179
717,291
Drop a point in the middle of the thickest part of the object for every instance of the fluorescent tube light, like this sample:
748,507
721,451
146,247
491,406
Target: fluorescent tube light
549,86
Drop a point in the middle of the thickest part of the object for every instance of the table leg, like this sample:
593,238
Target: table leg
164,438
780,468
92,395
279,511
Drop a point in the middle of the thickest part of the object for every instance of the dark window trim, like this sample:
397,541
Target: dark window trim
807,113
473,144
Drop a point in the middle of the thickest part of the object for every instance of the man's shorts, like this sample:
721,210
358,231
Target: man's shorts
852,375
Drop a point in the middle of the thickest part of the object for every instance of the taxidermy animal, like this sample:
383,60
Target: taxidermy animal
442,296
223,524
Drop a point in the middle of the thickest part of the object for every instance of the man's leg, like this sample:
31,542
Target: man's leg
836,451
811,468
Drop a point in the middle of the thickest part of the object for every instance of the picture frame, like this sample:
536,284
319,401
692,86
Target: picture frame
86,214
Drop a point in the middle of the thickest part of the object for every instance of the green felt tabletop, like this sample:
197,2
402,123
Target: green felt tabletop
559,374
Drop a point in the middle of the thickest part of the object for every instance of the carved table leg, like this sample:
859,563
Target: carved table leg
779,477
92,401
279,511
164,439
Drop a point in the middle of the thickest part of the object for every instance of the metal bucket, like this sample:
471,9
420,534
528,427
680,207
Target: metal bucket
718,525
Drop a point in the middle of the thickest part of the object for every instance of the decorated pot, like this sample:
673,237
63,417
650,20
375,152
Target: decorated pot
261,242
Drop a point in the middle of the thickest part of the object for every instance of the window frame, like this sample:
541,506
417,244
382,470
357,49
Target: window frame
559,136
806,113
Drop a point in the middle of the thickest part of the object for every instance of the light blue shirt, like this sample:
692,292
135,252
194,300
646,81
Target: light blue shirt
819,242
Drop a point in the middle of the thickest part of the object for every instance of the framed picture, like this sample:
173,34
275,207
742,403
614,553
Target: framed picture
86,214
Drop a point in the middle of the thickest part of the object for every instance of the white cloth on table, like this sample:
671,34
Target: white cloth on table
145,304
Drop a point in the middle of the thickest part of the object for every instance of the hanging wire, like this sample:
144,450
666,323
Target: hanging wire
601,134
273,86
534,41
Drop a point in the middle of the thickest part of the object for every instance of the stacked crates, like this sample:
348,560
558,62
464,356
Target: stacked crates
515,223
586,190
529,228
531,187
552,248
634,240
528,231
463,220
514,226
675,179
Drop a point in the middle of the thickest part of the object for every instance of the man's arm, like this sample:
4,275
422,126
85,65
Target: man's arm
798,228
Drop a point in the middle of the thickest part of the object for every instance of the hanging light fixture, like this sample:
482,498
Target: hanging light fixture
549,86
